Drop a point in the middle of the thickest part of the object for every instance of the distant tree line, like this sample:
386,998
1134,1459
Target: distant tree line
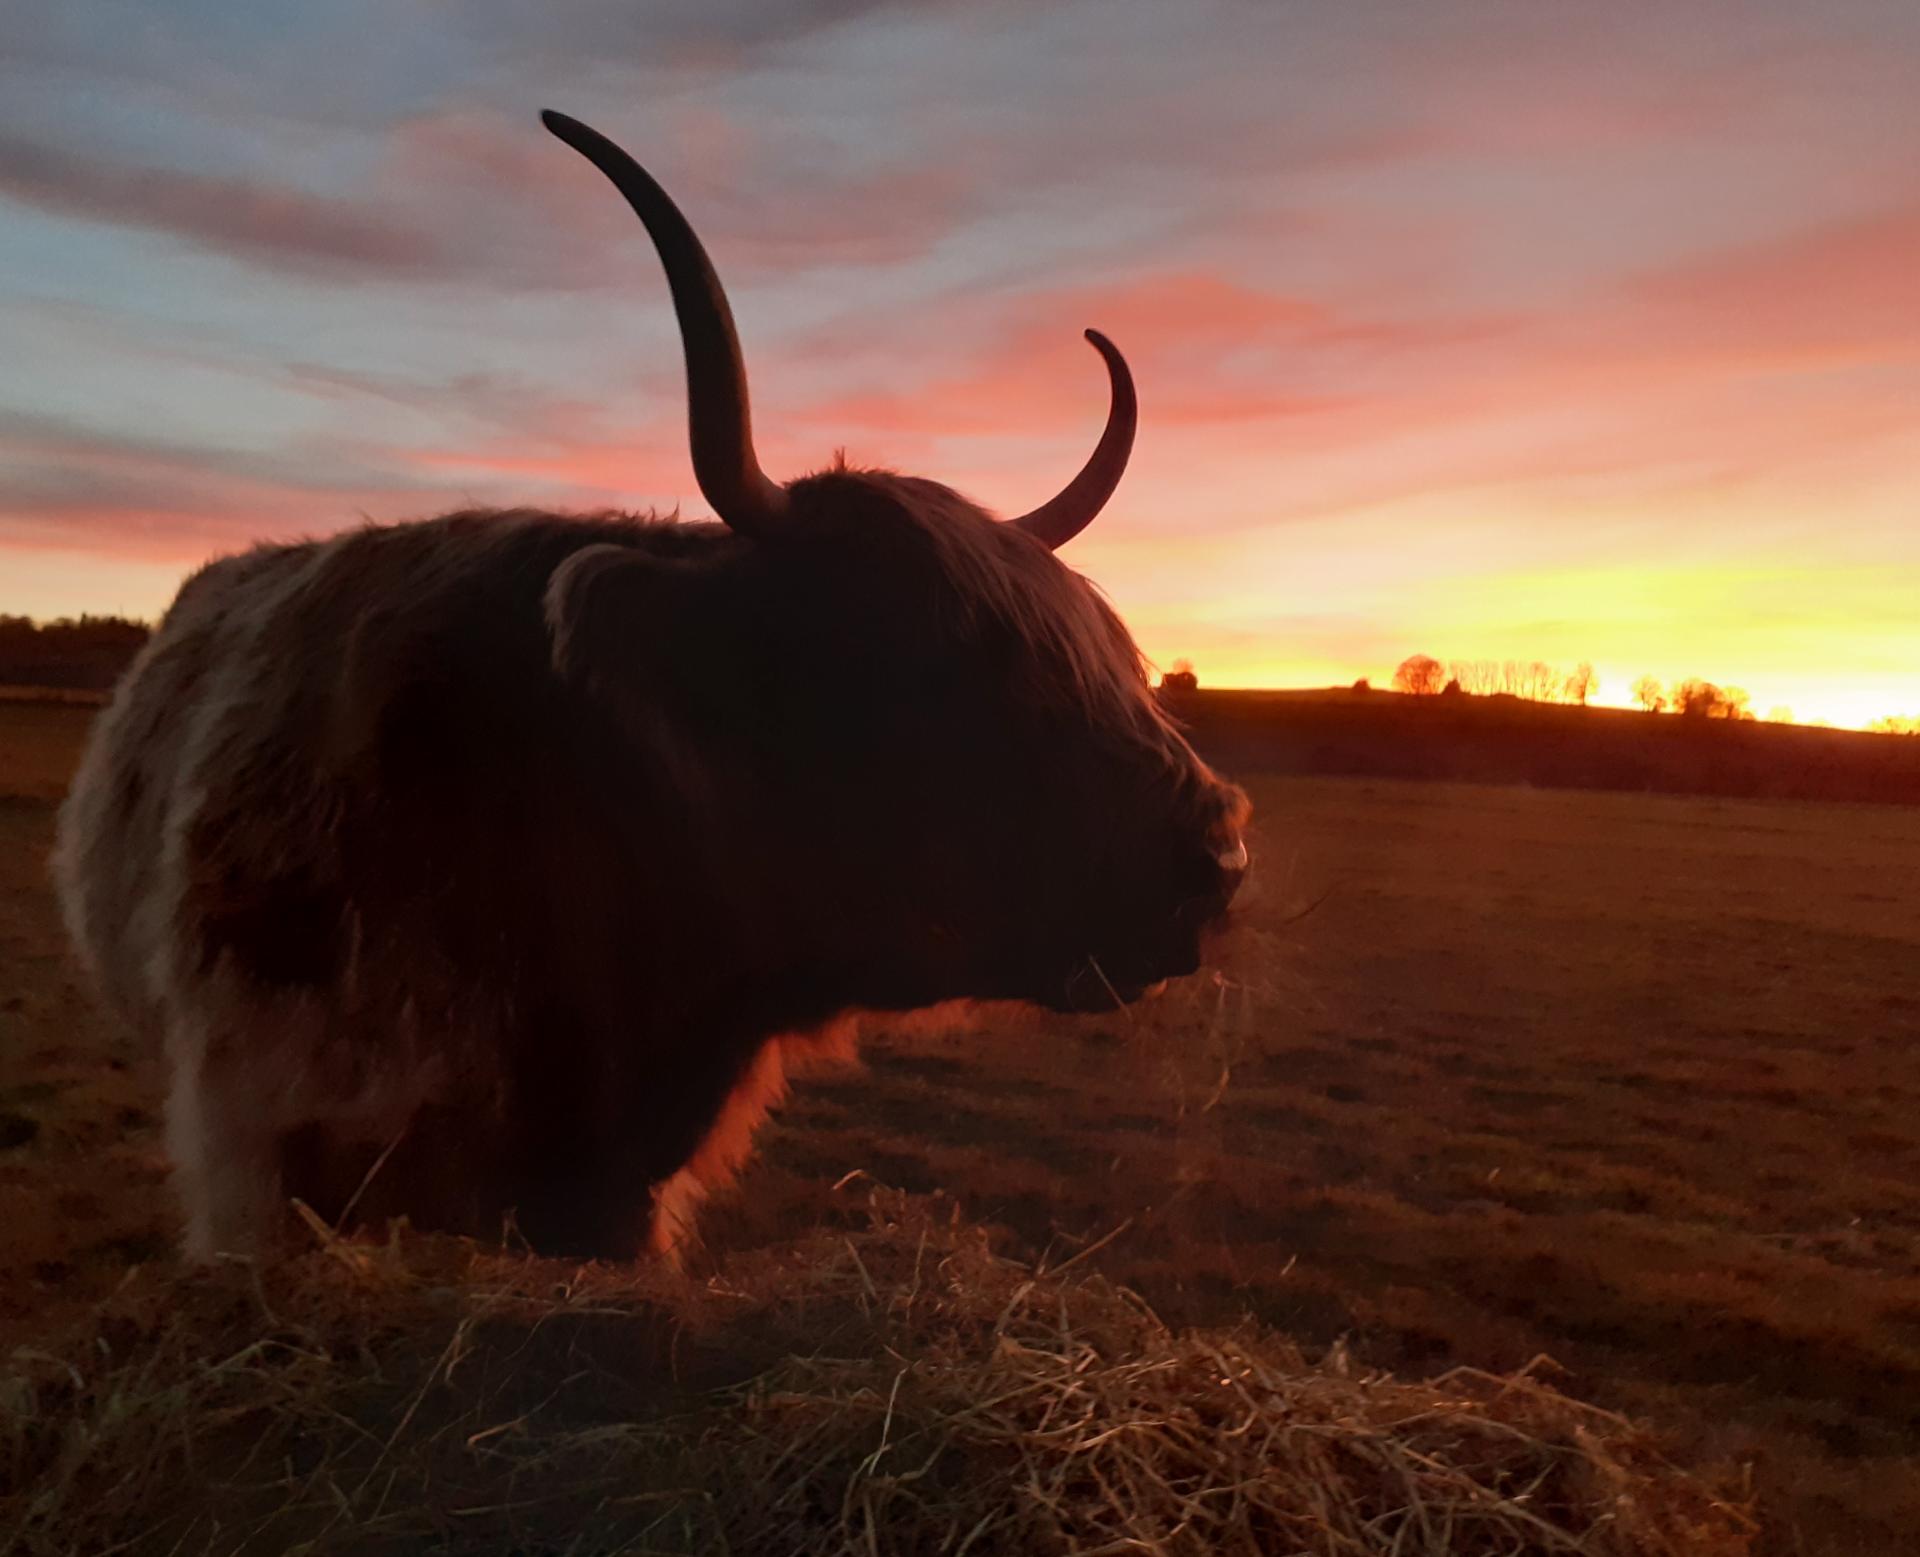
1422,675
1696,699
87,652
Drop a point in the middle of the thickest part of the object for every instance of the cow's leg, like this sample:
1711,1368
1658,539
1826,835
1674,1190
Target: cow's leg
225,1150
595,1139
579,1198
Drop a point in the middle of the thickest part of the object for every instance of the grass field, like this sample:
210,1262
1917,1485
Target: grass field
1631,1081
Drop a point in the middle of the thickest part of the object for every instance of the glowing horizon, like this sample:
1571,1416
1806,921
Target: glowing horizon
1493,335
77,583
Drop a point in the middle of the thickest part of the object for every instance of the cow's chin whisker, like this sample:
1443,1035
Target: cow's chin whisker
1119,1002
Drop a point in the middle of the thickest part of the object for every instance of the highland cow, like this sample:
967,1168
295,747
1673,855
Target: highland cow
490,865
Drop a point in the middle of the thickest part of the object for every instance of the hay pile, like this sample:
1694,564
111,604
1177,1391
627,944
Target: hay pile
893,1389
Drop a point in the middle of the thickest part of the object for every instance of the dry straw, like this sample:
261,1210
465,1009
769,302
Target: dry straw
896,1388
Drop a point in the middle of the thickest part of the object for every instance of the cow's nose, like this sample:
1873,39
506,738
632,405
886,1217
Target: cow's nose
1231,856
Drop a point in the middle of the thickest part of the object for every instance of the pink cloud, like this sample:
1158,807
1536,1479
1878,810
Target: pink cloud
1691,376
1205,349
62,485
1839,293
238,217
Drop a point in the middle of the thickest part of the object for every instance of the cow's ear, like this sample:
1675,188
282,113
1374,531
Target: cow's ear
646,638
621,626
620,621
602,607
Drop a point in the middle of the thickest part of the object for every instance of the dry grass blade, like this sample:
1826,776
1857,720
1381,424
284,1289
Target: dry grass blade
901,1390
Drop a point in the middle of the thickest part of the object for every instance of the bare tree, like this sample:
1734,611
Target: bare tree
1487,677
1181,678
1698,699
1476,676
1647,693
1535,680
1420,674
1581,682
1694,698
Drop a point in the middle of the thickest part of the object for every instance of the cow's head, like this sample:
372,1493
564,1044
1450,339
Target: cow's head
924,750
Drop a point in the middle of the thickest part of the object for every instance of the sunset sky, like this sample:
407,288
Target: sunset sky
1530,330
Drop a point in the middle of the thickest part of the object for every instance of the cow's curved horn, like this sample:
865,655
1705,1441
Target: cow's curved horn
719,423
1060,520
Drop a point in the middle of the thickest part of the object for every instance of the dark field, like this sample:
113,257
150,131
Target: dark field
1337,733
1630,1080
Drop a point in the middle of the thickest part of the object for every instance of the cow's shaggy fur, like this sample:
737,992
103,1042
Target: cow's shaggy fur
490,865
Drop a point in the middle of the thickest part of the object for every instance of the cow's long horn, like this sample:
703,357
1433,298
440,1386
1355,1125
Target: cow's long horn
1060,520
719,422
